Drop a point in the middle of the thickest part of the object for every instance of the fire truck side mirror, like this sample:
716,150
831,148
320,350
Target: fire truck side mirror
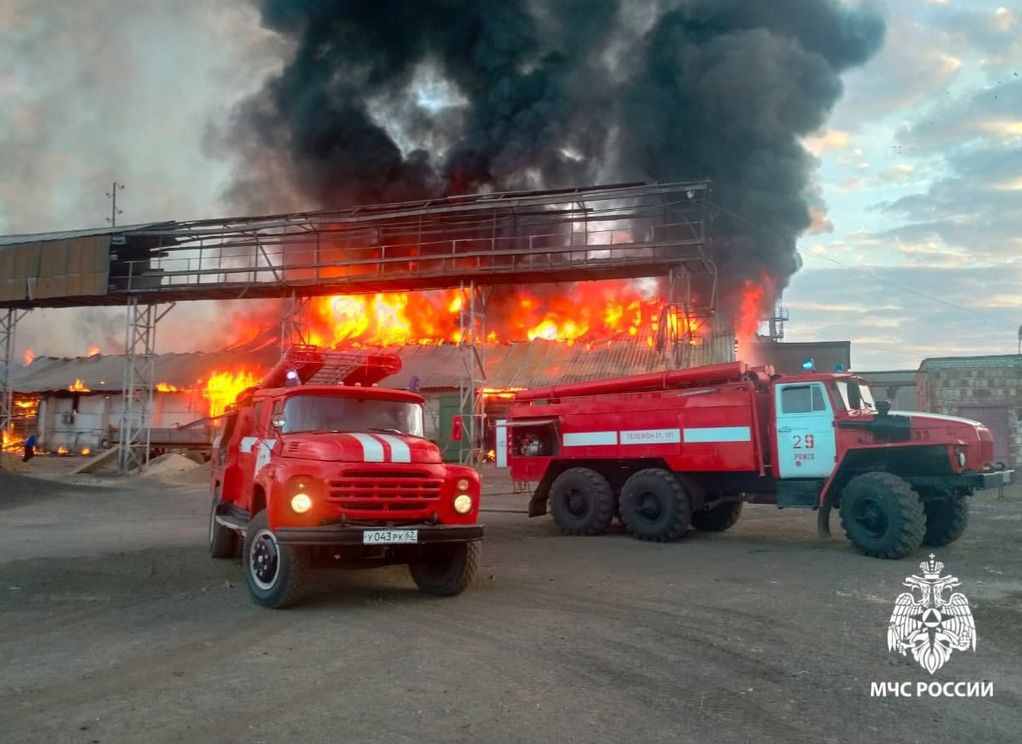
278,421
457,427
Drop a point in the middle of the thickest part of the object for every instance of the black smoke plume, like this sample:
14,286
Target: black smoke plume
387,100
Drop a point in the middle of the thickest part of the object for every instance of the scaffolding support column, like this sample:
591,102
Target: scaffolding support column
472,321
8,324
294,311
139,384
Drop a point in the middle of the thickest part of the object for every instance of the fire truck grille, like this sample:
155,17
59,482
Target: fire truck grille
382,492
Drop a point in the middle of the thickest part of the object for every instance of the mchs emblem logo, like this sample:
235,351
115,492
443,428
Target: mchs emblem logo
929,624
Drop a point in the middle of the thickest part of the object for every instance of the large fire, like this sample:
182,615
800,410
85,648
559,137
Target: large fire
223,388
588,312
755,301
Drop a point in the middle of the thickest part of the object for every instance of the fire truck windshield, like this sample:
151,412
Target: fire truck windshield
305,413
856,395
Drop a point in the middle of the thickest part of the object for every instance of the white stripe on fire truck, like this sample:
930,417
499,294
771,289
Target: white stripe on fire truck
399,451
247,443
588,438
718,434
372,448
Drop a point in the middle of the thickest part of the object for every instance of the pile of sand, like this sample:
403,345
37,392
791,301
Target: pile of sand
170,464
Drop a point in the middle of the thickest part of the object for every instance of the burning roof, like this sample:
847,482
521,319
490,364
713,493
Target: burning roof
105,373
434,366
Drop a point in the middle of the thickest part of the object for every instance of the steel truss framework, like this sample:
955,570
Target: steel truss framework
8,325
625,231
470,242
139,384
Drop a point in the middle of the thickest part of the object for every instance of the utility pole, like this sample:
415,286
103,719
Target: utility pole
114,211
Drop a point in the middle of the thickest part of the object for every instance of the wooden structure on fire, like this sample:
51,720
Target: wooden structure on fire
467,242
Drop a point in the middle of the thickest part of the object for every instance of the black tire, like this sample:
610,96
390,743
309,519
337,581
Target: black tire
882,515
446,570
582,502
654,506
223,541
719,518
274,573
946,519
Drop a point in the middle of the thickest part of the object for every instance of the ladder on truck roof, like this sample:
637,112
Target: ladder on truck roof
322,366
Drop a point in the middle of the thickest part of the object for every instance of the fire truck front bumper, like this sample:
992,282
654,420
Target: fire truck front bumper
410,534
993,479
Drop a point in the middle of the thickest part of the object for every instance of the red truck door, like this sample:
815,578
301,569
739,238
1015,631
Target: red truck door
254,446
804,420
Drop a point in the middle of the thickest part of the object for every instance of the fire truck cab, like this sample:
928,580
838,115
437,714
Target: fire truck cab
315,467
671,450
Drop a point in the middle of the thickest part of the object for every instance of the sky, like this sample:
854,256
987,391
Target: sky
918,253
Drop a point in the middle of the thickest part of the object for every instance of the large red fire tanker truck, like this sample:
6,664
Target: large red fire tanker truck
315,467
670,450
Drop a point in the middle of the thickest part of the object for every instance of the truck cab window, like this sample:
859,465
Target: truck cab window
535,441
802,399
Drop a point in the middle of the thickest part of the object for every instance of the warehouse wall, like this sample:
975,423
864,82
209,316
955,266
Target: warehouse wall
988,390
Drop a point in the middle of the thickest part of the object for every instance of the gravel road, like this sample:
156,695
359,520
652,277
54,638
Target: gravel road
115,626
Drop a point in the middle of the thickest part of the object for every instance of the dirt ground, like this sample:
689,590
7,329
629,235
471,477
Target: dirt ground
115,626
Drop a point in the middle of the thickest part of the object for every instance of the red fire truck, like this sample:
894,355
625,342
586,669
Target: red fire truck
315,467
667,451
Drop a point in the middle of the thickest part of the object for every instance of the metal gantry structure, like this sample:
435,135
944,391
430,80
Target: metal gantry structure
8,326
469,243
139,384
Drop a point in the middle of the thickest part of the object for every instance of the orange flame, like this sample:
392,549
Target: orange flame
585,312
78,387
166,387
753,306
223,388
8,440
28,357
93,351
62,450
86,451
501,393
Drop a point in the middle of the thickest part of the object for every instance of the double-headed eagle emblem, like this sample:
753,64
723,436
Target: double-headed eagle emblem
928,625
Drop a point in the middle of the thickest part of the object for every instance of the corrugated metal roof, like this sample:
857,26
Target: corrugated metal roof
106,372
70,234
437,367
549,362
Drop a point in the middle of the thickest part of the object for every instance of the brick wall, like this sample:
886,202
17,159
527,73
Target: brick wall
996,387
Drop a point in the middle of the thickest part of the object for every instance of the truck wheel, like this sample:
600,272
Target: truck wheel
654,506
223,541
719,518
882,516
945,520
274,573
446,570
582,502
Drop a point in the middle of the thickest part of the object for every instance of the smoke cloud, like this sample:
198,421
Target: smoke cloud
415,98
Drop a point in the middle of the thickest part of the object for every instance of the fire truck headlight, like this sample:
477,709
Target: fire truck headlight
961,458
301,502
462,484
463,503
